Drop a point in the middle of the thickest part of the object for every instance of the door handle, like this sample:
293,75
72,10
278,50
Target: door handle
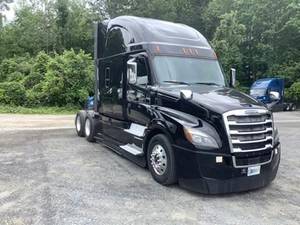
147,100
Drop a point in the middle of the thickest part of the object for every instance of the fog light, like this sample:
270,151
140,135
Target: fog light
276,151
219,159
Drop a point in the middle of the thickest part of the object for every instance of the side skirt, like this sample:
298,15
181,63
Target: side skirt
129,151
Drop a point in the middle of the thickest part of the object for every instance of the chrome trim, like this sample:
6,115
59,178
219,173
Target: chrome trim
236,132
136,129
272,118
250,142
267,146
132,149
258,164
245,124
245,112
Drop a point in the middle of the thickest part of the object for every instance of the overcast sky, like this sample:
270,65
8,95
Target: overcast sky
11,13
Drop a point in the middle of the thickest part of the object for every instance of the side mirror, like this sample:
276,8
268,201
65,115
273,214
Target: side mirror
131,71
232,77
274,95
186,94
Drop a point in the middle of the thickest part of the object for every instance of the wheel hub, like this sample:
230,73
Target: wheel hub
158,159
87,127
78,124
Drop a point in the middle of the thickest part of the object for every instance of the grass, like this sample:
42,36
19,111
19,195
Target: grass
38,110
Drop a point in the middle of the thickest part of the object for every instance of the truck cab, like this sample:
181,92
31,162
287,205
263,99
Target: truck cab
162,101
270,91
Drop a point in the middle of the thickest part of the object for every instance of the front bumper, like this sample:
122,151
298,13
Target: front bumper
199,171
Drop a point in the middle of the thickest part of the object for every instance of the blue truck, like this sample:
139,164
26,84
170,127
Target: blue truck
270,91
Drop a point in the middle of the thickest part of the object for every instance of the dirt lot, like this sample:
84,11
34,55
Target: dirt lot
48,175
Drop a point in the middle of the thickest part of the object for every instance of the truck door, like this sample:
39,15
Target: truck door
277,86
137,102
138,98
105,88
112,99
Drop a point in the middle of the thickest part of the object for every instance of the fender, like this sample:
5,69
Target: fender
169,122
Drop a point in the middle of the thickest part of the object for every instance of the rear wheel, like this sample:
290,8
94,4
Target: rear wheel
294,107
79,123
161,160
287,108
89,128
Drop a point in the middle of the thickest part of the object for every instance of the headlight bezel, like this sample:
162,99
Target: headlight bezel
200,139
203,137
276,135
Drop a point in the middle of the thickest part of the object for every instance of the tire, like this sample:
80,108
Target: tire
89,128
79,123
287,108
294,107
160,149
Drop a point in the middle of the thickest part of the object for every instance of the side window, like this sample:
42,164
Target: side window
117,40
142,74
126,36
136,89
107,77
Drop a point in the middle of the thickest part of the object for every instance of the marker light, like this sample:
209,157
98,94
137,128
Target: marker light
219,159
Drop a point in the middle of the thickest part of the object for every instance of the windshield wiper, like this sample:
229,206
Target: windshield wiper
208,83
176,82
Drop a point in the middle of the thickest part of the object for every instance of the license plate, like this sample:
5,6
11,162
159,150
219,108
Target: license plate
254,170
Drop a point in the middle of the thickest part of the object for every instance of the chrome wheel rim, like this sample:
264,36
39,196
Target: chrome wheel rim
87,127
78,124
158,159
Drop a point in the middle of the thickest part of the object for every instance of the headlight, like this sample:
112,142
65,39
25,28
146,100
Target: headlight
276,135
200,139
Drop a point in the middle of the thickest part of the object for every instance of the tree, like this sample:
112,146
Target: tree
259,37
227,40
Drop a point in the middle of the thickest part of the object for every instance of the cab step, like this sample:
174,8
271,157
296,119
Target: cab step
133,149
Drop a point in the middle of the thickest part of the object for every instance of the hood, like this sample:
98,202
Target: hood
217,99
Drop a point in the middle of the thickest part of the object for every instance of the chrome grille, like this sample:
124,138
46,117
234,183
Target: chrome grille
249,130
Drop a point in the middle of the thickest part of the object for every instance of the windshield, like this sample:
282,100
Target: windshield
170,69
258,92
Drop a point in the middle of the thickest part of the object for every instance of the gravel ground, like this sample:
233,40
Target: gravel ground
48,175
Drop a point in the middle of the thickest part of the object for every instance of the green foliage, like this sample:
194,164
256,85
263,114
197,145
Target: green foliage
293,93
258,38
38,70
38,110
12,93
270,40
60,80
69,79
15,76
227,40
50,26
7,67
20,65
291,72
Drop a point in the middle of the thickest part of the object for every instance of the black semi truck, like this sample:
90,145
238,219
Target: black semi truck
162,101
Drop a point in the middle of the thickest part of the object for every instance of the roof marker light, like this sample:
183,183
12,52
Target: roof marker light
215,54
157,48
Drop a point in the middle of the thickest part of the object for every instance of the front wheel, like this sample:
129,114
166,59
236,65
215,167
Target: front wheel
161,160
